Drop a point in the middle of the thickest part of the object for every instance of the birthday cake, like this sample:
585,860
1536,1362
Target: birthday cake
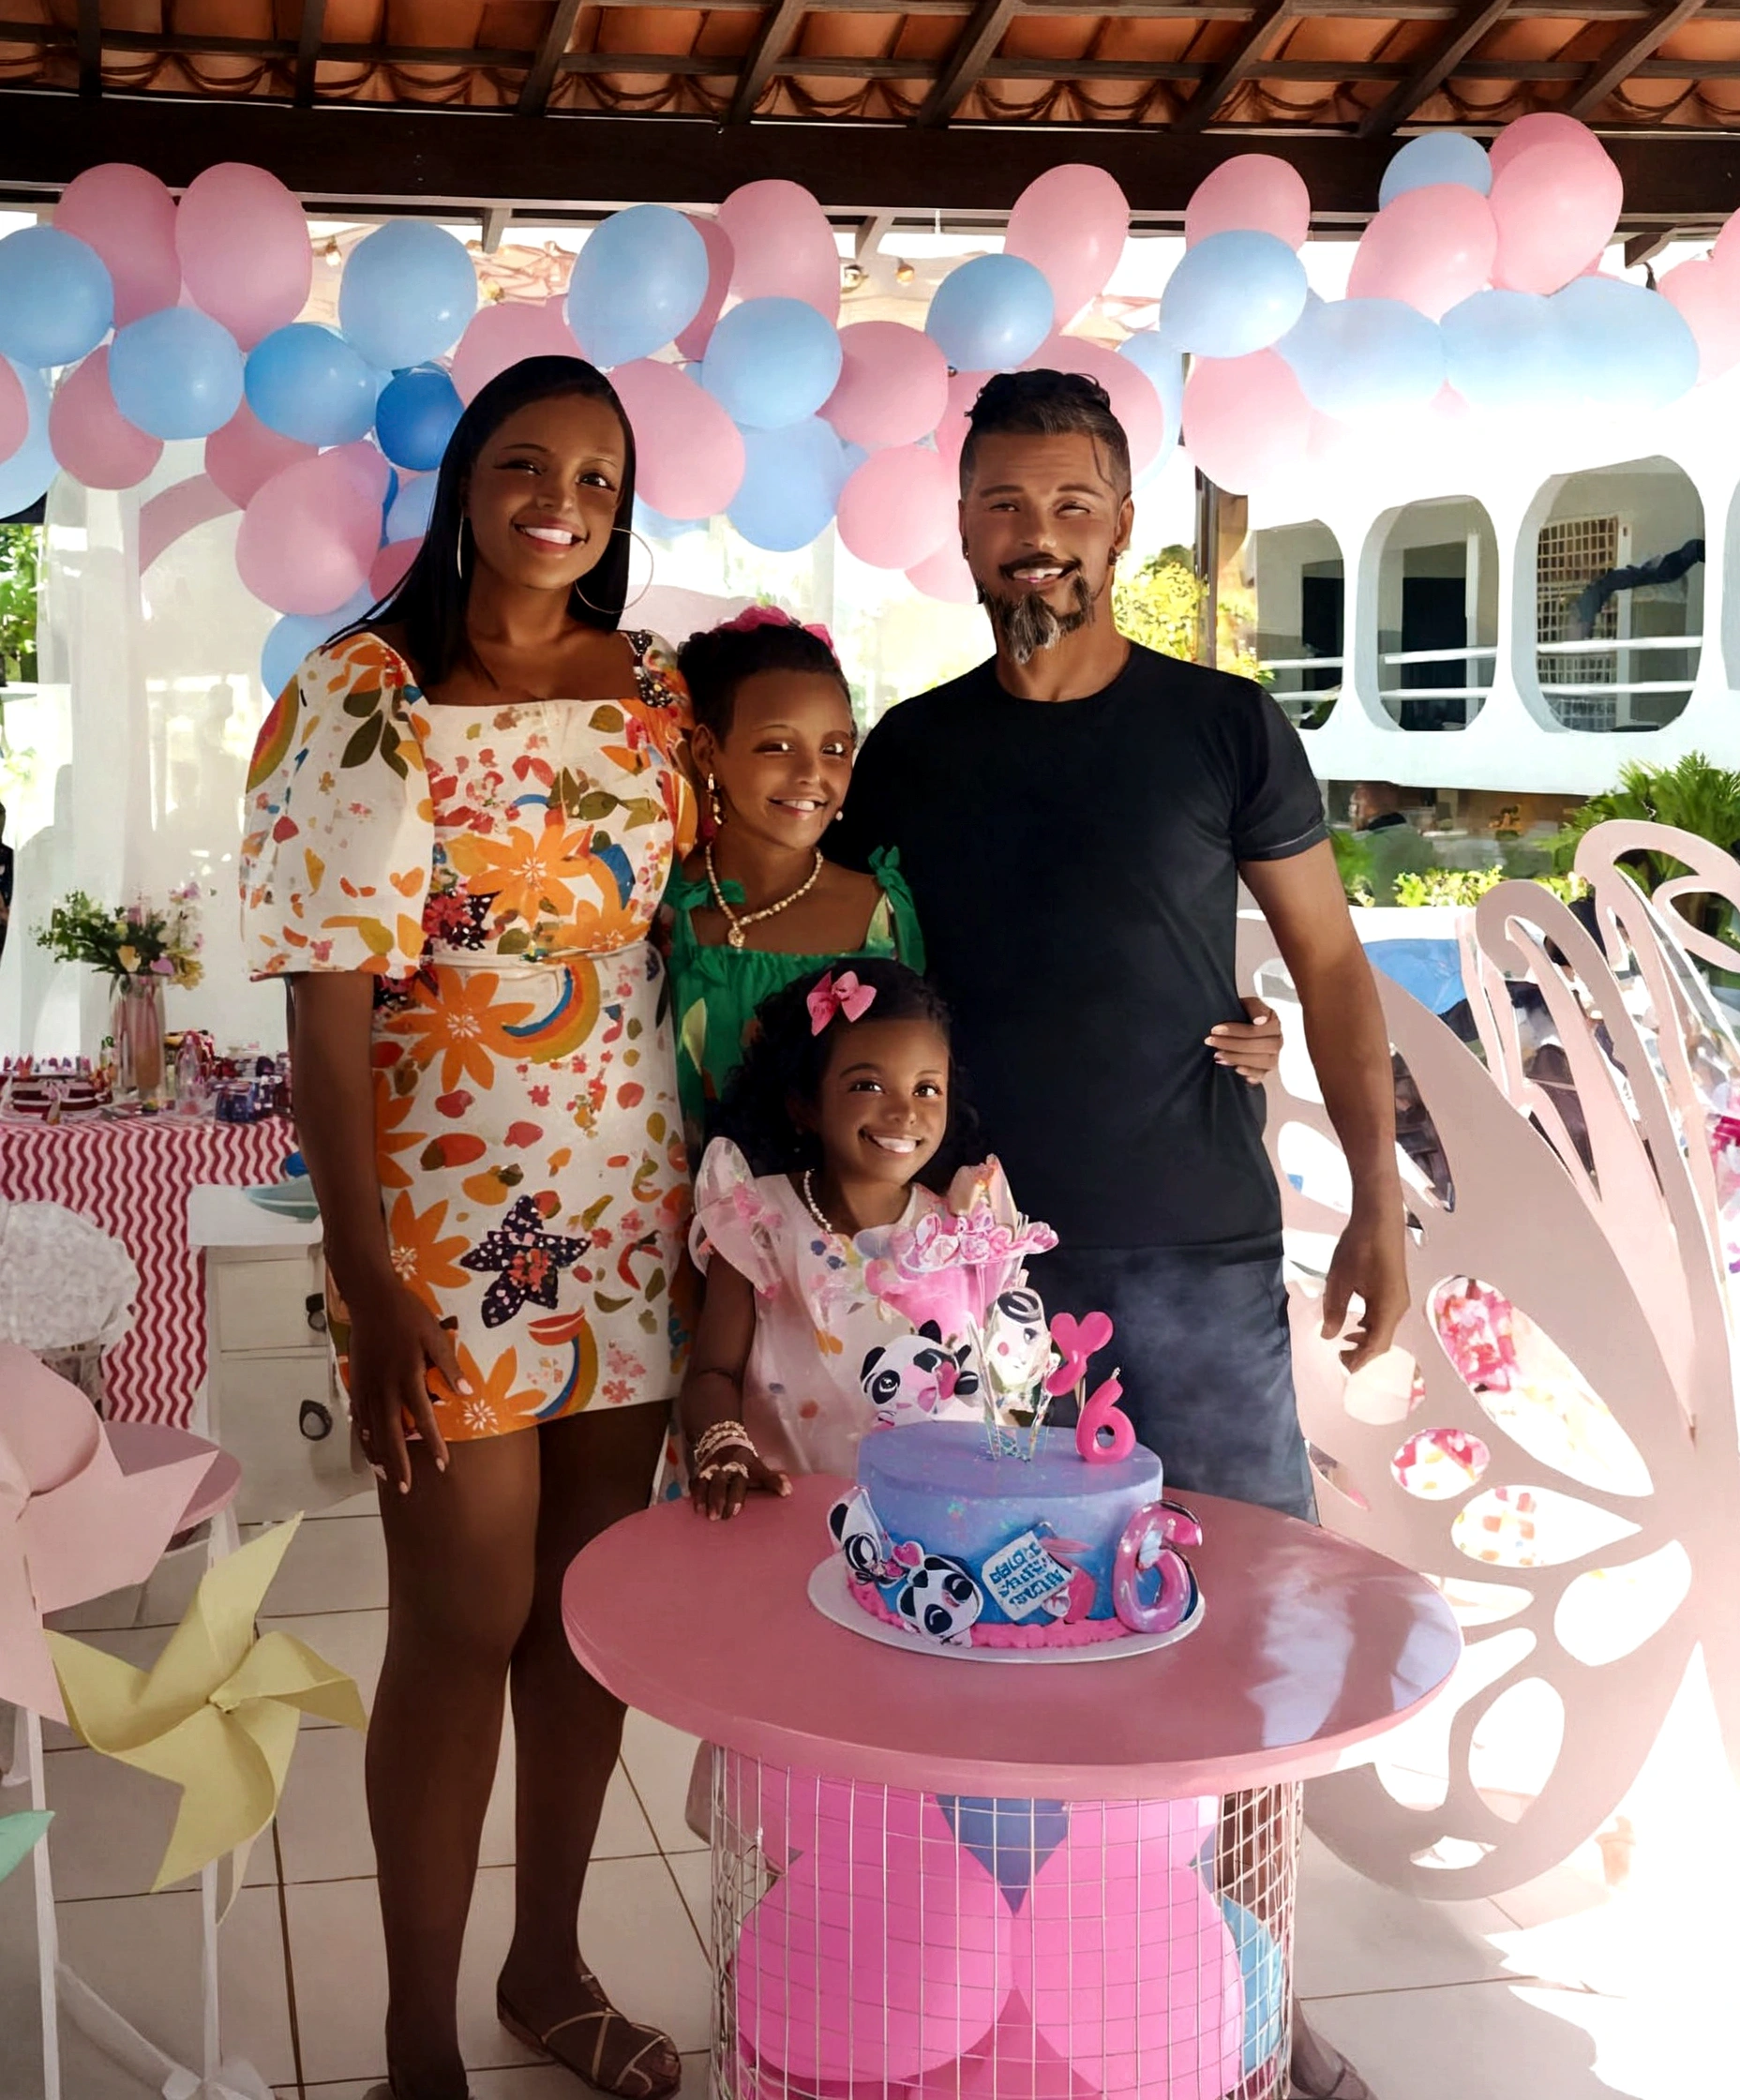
52,1092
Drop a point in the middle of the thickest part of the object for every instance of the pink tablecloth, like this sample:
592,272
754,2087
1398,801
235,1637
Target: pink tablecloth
131,1179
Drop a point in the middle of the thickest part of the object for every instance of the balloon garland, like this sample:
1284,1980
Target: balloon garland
1474,293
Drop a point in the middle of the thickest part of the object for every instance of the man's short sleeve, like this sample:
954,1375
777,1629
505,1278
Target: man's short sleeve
1280,807
867,821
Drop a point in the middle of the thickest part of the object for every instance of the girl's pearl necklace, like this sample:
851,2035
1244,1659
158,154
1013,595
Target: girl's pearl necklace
815,1209
737,923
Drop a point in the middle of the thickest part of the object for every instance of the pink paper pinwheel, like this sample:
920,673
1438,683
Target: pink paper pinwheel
72,1526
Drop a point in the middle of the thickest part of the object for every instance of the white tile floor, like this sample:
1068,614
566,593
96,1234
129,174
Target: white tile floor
1564,1990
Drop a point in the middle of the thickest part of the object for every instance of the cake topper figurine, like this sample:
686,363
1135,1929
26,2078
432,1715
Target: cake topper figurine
1102,1434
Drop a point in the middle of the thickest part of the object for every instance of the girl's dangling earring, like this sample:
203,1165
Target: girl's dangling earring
714,816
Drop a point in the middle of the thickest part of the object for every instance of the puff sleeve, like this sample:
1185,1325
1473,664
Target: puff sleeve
734,1218
338,829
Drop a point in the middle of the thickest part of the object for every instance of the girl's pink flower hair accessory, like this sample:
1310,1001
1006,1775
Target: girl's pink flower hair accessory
753,616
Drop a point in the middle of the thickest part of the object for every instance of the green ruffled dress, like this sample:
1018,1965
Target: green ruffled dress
714,991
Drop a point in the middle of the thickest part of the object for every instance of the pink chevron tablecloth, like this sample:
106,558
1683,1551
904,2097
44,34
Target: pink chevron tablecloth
130,1178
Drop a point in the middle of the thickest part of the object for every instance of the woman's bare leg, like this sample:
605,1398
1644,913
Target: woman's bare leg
461,1554
567,1728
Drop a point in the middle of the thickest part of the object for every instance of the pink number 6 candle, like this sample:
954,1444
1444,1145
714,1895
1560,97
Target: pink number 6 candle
1147,1547
1100,1416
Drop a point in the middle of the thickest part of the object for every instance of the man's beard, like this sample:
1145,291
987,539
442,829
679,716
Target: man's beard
1025,624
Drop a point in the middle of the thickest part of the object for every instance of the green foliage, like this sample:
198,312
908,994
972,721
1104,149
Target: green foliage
128,940
1467,886
1694,796
1352,863
1160,604
20,565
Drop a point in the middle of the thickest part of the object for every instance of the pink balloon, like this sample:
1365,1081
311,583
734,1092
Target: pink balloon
1555,205
1245,418
893,385
945,575
391,565
1126,1961
89,435
244,456
1726,249
1136,402
308,539
14,411
500,335
882,1954
721,262
689,454
364,465
1071,223
782,246
1430,248
1544,127
897,507
1253,193
951,433
1708,295
127,215
243,249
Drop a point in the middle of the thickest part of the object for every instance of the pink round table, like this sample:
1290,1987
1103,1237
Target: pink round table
939,1876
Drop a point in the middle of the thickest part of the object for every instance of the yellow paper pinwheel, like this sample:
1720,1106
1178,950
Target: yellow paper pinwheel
219,1711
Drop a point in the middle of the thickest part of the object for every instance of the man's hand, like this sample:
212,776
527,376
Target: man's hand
1370,1263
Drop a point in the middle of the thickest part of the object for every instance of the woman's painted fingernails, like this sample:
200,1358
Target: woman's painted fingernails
379,1471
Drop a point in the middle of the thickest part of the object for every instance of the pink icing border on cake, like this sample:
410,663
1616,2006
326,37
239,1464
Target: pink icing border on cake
1084,1633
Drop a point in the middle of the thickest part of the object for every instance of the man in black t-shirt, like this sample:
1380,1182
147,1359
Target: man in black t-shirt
1073,817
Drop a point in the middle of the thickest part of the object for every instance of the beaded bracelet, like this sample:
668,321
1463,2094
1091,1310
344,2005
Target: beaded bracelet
721,1436
724,1466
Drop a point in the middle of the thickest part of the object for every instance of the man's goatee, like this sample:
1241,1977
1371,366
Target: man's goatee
1026,624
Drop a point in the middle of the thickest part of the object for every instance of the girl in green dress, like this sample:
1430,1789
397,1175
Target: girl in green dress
757,904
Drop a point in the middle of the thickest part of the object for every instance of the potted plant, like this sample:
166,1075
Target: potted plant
140,948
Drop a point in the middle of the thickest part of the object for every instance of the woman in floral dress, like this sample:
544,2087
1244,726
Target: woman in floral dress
461,820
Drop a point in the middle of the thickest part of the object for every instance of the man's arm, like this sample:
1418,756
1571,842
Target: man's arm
1302,899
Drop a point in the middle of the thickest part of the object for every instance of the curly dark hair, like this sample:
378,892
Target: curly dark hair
1046,404
785,1061
715,662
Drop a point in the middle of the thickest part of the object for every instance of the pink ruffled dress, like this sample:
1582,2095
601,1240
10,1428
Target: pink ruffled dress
824,1341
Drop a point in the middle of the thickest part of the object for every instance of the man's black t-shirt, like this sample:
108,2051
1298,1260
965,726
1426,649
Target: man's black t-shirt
1074,866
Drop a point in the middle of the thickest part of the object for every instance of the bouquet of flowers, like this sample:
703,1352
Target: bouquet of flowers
138,939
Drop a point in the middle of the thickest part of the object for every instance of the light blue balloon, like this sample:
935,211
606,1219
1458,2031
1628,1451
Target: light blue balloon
56,300
408,514
636,285
1502,351
770,362
791,481
307,382
990,314
1355,358
1150,351
407,293
1264,1975
1623,347
297,633
1232,293
1437,156
176,373
654,525
25,476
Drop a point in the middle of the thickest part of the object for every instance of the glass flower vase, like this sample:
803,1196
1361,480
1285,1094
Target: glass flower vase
136,1024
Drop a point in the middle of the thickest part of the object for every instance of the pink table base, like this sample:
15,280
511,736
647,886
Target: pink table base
131,1178
1311,1647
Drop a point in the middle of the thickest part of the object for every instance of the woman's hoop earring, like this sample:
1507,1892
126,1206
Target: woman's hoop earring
628,604
459,550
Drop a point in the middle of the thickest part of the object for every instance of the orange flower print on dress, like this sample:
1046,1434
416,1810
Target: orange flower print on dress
459,1022
421,1259
498,870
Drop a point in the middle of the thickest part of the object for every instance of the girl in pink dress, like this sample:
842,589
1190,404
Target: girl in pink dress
845,1143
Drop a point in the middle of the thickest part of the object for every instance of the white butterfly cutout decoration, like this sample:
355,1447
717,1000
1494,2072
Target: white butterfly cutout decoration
1575,1485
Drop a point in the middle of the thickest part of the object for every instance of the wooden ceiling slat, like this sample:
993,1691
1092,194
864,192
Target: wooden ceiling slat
535,91
778,26
1246,57
309,51
1470,25
967,62
1621,59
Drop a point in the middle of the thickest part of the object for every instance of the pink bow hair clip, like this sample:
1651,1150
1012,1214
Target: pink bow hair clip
838,994
753,616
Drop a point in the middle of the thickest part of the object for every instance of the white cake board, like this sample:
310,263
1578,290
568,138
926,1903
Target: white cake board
831,1596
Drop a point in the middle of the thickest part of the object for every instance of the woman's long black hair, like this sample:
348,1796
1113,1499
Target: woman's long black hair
429,602
785,1061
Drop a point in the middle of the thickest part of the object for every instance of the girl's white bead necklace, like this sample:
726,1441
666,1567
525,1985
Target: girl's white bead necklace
738,922
815,1210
